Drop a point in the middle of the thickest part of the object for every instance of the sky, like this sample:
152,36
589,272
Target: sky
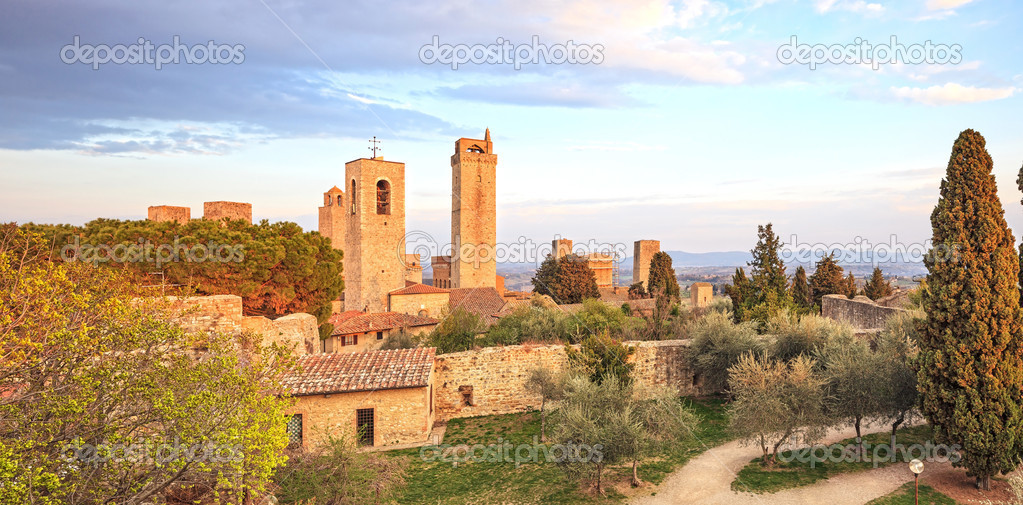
691,127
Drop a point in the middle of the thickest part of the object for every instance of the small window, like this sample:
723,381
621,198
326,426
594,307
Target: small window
339,203
466,392
349,340
294,428
423,313
431,398
354,196
383,197
380,335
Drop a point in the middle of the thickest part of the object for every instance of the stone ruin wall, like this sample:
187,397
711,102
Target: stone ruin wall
861,312
223,314
497,375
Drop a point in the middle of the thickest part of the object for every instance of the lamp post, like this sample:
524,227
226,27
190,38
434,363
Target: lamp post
916,466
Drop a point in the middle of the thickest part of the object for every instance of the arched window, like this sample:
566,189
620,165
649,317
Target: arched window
383,197
339,204
354,196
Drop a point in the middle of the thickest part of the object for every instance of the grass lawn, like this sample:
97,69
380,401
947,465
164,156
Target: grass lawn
442,483
756,478
904,496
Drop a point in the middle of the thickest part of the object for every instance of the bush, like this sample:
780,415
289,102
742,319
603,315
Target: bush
600,357
806,334
400,339
530,323
717,344
337,474
457,332
596,317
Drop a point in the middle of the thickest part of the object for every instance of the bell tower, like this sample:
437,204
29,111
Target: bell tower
332,217
473,213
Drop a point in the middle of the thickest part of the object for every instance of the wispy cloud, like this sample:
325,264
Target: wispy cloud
951,93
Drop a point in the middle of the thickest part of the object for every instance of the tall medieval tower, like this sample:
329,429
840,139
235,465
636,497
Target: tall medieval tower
473,213
332,217
374,232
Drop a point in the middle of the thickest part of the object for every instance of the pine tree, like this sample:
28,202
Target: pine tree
800,289
662,276
877,287
970,368
850,286
827,279
568,279
766,291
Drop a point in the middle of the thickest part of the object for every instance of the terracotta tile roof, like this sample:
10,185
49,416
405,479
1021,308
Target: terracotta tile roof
484,302
365,323
417,289
360,371
337,319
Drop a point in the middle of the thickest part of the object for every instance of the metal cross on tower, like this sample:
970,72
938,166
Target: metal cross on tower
373,146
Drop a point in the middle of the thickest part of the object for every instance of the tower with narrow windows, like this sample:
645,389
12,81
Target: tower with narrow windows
332,217
374,260
473,213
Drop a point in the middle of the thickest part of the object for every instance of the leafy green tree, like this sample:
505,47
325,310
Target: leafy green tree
828,279
877,287
86,368
276,268
600,356
717,344
800,289
457,332
896,345
774,401
970,366
854,378
567,280
662,276
550,387
617,424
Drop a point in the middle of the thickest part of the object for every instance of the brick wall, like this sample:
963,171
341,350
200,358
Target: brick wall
497,375
861,313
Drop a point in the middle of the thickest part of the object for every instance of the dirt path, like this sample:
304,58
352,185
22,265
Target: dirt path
707,480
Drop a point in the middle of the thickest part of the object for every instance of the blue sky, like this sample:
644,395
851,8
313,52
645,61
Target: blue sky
689,131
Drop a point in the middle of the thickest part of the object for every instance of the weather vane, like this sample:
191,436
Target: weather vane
373,146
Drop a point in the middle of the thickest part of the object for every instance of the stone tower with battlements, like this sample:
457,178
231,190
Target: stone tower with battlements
332,217
374,261
643,252
473,213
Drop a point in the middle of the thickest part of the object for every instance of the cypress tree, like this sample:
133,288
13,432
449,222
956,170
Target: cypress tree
800,289
876,287
827,279
969,368
662,276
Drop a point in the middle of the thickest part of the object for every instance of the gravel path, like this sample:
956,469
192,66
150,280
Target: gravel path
707,480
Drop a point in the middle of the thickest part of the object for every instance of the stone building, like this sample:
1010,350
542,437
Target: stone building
374,233
160,213
643,252
332,217
441,266
215,211
419,299
602,264
700,294
473,213
356,331
375,398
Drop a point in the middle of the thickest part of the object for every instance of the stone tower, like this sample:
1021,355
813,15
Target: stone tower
332,217
215,211
374,232
644,250
561,247
473,213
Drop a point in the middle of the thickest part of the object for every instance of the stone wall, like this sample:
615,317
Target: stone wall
223,314
169,213
215,211
492,380
861,313
298,332
433,303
